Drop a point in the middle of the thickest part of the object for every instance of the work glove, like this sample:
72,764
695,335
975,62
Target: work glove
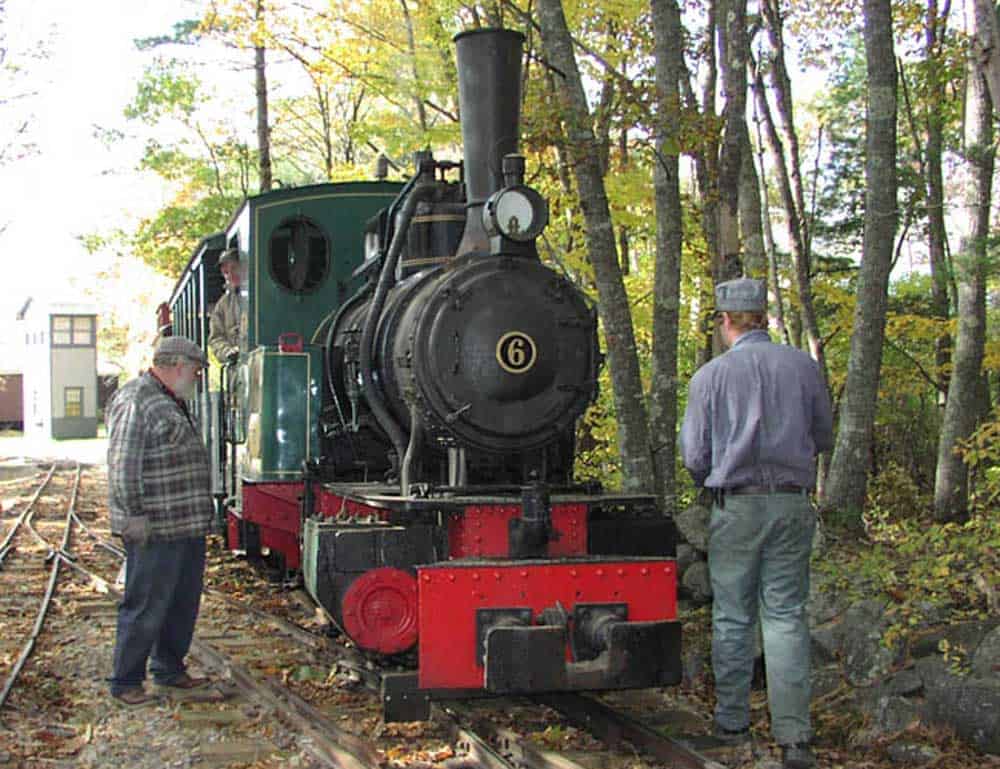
136,531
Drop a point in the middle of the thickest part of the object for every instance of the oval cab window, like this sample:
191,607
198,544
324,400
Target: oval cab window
299,255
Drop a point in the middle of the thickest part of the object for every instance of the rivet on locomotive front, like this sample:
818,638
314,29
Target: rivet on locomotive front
399,427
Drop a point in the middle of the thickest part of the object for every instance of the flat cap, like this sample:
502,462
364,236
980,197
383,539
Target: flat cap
229,255
178,345
741,295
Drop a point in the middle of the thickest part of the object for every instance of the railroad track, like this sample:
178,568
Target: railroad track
19,576
283,672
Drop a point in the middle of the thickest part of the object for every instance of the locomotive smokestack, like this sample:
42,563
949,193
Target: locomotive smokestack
489,100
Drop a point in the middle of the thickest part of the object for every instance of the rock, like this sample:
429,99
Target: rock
965,636
686,555
827,642
825,602
698,582
904,683
986,659
970,706
932,613
866,658
894,714
693,526
912,753
826,680
933,672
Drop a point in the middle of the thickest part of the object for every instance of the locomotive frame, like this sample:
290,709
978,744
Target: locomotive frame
398,432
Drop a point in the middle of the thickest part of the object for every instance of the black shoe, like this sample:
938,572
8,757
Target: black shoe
731,737
798,756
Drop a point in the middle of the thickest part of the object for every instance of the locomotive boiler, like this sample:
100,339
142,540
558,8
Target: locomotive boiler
399,430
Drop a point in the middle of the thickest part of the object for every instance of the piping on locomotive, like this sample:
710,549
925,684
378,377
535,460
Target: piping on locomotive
399,428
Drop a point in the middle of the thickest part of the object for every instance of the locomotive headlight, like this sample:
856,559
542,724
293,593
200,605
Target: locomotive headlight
518,213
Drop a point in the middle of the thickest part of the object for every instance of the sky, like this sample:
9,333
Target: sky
74,184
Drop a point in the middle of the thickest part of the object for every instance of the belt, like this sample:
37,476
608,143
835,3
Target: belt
779,489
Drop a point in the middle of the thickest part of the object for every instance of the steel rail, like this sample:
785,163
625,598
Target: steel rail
100,542
330,744
511,747
5,546
305,637
59,556
611,726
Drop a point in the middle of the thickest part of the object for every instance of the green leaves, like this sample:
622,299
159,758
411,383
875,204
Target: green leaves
166,89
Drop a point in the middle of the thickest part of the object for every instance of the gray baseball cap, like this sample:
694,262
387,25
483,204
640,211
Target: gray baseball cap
178,345
229,255
741,295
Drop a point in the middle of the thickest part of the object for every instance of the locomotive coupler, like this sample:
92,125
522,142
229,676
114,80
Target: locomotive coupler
529,535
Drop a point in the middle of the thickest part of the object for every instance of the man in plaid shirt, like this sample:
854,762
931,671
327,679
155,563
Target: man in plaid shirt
159,492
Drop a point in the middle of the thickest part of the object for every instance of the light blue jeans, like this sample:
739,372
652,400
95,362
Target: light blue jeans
758,554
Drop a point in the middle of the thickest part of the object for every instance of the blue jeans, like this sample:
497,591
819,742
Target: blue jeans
758,555
163,583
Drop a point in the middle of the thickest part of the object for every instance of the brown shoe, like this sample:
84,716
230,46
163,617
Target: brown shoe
135,697
185,682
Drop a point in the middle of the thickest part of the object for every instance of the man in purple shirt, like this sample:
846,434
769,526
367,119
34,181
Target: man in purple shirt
756,418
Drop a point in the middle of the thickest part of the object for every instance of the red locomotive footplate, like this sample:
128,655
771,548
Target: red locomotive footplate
450,594
331,505
274,507
483,531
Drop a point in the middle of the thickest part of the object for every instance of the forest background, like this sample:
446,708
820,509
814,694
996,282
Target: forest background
677,147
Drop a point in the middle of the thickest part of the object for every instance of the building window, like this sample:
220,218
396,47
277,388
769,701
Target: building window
73,331
74,402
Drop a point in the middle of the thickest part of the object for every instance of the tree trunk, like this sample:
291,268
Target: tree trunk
706,163
733,62
848,478
633,434
624,244
964,402
789,177
668,53
751,224
263,130
986,45
936,237
770,250
411,43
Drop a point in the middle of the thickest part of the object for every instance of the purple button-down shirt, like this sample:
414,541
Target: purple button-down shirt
756,415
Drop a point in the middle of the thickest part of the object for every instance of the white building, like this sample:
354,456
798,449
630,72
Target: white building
60,369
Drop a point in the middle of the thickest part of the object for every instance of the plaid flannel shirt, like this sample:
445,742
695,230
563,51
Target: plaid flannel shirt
157,463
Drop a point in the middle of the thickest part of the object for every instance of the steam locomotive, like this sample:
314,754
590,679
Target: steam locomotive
399,429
